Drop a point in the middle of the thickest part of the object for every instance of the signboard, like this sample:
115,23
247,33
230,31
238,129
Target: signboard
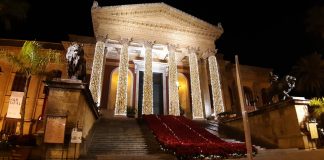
14,106
313,130
55,129
76,136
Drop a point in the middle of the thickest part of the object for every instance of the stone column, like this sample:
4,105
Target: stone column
121,97
97,72
218,102
205,87
197,108
148,79
173,78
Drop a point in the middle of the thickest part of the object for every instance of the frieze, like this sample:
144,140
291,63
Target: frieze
153,8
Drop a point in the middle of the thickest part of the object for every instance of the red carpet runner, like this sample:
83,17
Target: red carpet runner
188,140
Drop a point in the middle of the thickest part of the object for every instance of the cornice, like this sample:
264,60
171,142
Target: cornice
163,27
199,27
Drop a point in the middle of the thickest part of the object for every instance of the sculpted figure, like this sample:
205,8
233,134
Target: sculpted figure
281,88
76,62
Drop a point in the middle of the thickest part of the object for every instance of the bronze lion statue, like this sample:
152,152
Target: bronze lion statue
281,88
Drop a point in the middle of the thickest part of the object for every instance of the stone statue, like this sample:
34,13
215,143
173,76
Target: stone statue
281,88
76,62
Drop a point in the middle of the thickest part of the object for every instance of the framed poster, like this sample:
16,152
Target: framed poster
55,129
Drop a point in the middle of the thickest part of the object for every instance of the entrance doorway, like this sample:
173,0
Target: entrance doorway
157,93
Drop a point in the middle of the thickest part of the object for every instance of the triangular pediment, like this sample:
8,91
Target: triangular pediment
163,14
159,15
157,22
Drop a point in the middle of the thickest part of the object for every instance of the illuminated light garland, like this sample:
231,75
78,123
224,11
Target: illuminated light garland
218,102
148,79
197,109
96,79
173,88
121,97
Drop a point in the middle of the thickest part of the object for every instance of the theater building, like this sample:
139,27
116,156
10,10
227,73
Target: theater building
150,58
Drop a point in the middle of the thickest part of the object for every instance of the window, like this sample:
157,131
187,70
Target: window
249,100
19,82
10,126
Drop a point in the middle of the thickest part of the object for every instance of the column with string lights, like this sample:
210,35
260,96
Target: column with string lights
148,79
173,79
121,97
197,108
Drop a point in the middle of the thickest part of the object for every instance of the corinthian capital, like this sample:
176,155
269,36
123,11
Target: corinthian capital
148,44
192,49
172,47
125,41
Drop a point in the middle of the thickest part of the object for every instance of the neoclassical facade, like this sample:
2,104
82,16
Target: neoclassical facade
156,44
150,58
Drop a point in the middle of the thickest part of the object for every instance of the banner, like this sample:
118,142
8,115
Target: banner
14,106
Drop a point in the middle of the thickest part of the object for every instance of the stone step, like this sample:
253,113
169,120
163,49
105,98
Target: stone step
136,157
123,138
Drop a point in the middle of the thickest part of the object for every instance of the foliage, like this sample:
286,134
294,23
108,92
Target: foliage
309,74
314,21
31,60
12,11
318,104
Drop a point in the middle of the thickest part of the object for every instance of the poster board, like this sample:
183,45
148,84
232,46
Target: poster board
55,129
14,106
313,130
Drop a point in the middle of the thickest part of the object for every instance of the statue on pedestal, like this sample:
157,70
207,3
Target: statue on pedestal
279,88
76,62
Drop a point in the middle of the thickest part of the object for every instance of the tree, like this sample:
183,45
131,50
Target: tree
12,11
31,60
309,71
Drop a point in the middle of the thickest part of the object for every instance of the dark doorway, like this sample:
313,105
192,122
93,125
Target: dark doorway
157,93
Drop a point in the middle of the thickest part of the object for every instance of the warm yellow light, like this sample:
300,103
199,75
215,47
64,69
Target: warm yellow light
148,80
173,83
197,108
121,98
216,86
96,79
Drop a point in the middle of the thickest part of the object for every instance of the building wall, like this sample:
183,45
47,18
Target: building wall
35,96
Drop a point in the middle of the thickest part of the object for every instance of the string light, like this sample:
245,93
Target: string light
173,78
216,86
195,85
148,80
97,72
121,98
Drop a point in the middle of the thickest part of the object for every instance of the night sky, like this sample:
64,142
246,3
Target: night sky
266,33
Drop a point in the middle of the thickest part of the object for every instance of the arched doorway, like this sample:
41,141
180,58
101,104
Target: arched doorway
183,90
113,90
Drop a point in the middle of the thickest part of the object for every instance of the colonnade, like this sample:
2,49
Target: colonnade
201,106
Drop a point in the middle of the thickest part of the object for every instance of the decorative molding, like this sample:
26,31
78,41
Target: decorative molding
120,13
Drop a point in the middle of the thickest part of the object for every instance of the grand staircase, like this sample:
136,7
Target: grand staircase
124,138
213,127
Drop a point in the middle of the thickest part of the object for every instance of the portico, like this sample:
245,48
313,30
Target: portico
151,48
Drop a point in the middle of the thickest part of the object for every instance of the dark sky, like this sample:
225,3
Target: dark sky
266,33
